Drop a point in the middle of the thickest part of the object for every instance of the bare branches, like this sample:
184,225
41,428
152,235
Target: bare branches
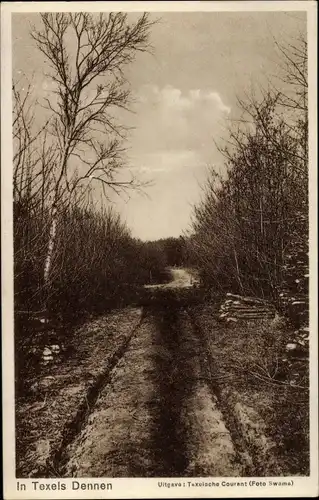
87,54
33,158
245,225
294,71
257,372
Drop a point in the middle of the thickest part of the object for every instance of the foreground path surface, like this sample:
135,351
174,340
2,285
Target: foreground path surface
162,390
157,416
116,440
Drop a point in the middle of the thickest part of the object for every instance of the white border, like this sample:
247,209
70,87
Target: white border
162,6
148,488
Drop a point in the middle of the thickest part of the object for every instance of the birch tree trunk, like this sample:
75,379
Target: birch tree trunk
51,245
53,232
237,270
84,126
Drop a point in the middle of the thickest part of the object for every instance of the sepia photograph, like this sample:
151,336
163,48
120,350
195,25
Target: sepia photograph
160,248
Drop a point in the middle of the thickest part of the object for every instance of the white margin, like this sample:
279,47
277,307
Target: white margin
144,487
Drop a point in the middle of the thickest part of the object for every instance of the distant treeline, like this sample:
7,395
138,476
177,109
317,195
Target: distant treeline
171,251
96,263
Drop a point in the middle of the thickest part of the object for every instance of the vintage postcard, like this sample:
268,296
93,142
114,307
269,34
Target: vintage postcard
159,249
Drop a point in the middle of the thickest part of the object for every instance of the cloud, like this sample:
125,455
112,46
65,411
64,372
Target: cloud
171,120
170,97
215,97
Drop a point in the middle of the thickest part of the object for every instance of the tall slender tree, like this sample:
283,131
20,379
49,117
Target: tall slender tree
87,54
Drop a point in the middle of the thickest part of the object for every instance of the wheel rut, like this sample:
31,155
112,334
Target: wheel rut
155,415
205,446
78,422
168,440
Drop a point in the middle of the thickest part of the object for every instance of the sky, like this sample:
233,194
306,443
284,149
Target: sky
185,95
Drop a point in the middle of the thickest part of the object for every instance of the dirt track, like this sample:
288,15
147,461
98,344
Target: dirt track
156,392
181,278
157,415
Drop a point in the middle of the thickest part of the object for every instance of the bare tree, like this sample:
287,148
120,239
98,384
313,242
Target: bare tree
252,225
25,158
87,55
294,72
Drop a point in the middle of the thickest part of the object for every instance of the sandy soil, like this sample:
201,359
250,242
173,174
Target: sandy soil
181,278
163,393
157,416
116,439
59,398
209,447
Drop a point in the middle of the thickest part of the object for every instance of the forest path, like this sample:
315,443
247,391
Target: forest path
181,278
156,415
153,391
